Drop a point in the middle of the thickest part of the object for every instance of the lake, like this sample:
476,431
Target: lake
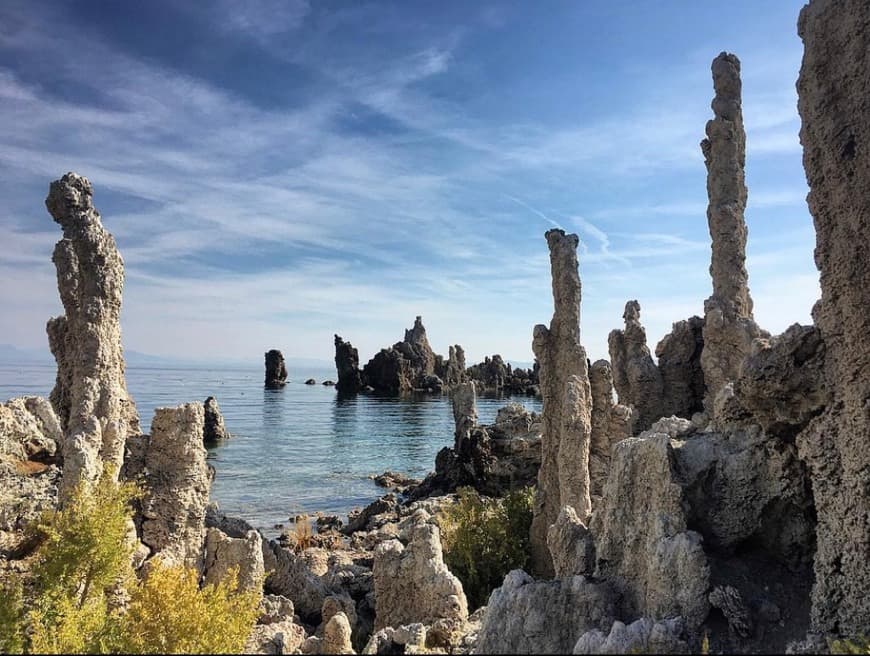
300,449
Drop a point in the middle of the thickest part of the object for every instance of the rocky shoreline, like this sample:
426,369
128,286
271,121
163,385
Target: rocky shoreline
720,505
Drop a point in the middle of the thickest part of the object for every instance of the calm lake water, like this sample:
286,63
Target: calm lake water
295,450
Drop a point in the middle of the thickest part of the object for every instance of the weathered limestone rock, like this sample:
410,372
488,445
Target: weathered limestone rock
728,600
412,584
454,372
679,356
276,371
214,429
571,545
611,422
637,379
388,372
29,429
177,486
347,367
90,396
728,325
298,577
406,366
223,553
744,487
497,375
782,385
464,413
563,479
643,546
833,87
415,348
643,636
336,636
525,616
276,631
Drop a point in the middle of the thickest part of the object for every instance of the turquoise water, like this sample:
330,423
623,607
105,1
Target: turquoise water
300,449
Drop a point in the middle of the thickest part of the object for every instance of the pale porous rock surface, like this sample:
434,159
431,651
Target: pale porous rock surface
276,370
635,376
525,616
90,396
570,545
347,367
611,422
214,429
412,583
563,478
177,486
679,362
643,636
276,631
223,553
299,577
728,324
833,88
29,429
643,546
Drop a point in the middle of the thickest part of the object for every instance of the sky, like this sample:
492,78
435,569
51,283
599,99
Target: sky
278,171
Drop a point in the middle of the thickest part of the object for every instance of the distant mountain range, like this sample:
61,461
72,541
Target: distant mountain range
15,355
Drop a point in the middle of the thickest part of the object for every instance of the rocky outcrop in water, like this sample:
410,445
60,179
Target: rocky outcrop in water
635,375
406,366
833,88
611,422
679,362
276,371
347,367
495,375
452,370
214,429
90,396
563,479
728,324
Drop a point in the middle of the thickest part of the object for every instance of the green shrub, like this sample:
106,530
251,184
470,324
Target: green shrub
81,574
484,539
857,646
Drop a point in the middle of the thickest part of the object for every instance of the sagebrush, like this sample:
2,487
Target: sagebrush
484,539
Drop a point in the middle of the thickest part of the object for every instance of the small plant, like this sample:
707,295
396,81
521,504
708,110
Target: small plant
859,646
170,614
301,537
82,572
484,539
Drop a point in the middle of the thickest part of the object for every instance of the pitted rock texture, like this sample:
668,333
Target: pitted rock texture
833,88
679,356
412,583
29,429
571,545
643,636
347,367
299,577
563,479
177,486
90,396
223,553
642,544
276,370
464,400
525,616
728,325
782,385
611,422
745,487
214,429
635,375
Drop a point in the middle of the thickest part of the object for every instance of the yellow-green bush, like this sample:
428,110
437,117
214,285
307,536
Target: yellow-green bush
484,539
169,614
858,646
73,600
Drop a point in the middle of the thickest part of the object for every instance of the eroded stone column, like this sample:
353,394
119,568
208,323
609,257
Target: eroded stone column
563,478
90,394
679,356
729,328
611,422
347,367
464,413
638,381
833,88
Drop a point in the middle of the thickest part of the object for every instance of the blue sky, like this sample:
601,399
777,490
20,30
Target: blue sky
275,172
